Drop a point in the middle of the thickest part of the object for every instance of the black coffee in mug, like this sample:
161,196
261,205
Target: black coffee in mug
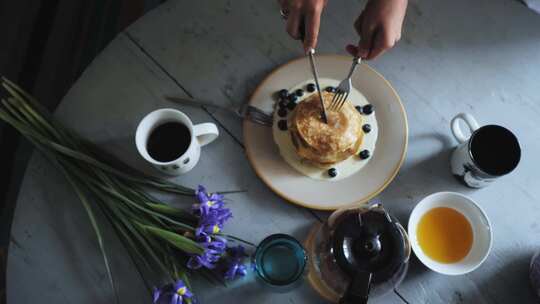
168,141
495,150
490,152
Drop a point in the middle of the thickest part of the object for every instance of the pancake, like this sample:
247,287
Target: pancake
325,144
317,171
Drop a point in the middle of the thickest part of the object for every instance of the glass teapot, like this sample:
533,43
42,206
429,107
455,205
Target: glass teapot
359,252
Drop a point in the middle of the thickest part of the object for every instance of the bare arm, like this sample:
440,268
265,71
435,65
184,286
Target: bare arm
379,27
308,10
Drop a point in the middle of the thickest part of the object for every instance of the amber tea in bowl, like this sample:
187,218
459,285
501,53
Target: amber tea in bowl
445,235
450,233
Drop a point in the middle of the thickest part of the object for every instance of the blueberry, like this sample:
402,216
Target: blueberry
366,128
332,172
283,93
330,89
311,87
358,108
292,97
283,103
367,109
291,105
282,112
364,154
282,125
299,92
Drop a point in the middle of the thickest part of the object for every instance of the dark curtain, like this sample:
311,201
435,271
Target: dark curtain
45,46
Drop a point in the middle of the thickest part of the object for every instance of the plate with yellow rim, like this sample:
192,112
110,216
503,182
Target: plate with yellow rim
297,188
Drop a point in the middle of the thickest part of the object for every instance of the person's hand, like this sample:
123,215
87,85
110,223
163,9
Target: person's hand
379,27
307,11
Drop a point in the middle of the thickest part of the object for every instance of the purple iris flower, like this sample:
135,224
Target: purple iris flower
181,292
214,247
207,201
212,216
214,242
176,293
211,211
213,221
156,294
235,262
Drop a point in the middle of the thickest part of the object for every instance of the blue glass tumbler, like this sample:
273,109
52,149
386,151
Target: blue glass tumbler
280,261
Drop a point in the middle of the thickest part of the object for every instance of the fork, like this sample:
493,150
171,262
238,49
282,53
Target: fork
254,114
246,111
344,88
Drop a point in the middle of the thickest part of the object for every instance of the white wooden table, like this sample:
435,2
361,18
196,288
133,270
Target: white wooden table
482,57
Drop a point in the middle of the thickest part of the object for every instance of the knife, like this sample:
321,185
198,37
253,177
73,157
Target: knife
316,77
198,103
311,53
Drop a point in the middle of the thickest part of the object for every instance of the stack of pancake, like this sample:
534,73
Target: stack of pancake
325,144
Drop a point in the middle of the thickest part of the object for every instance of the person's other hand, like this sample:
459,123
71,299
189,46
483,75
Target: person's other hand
308,11
379,27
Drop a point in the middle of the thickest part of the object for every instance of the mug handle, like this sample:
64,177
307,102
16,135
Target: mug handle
206,133
456,129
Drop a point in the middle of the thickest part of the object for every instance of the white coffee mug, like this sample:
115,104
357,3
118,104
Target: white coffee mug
201,135
490,152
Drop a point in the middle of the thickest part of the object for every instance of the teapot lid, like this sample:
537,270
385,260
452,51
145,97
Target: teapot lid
369,241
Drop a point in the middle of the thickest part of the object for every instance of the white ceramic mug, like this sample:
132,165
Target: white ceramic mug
477,218
201,135
489,152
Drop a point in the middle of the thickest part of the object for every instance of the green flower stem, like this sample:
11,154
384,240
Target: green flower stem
179,241
95,225
152,232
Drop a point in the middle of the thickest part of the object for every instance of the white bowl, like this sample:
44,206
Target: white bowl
482,234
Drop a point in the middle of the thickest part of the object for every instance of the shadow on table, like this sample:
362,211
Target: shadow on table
499,280
125,150
511,274
57,226
416,180
420,177
302,232
417,270
250,289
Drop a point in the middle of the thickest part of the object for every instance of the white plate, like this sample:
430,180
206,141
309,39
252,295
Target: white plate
345,168
297,188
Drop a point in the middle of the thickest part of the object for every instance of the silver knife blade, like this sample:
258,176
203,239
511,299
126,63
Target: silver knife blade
197,103
316,77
